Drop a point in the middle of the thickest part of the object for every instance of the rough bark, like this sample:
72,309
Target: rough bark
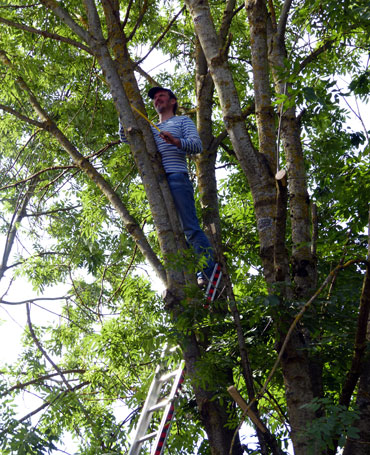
213,415
298,389
361,366
253,164
361,446
303,267
265,116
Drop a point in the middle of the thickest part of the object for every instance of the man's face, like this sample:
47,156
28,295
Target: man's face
163,102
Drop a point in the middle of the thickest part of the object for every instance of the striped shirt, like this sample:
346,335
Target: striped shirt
173,158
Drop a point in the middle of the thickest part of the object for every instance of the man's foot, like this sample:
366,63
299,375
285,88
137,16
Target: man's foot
202,281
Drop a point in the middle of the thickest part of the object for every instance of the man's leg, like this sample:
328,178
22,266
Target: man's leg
183,196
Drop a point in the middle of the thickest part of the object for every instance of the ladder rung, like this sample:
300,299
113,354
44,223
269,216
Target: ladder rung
147,436
159,405
168,376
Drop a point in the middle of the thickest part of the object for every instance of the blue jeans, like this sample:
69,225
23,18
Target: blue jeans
183,196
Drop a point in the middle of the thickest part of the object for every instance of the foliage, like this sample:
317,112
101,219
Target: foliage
110,325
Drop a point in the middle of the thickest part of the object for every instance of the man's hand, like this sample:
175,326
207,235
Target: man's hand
166,136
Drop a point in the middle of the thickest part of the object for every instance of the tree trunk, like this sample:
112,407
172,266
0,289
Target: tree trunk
303,268
213,415
361,446
253,164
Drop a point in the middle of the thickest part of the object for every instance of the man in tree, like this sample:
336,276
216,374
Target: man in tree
178,137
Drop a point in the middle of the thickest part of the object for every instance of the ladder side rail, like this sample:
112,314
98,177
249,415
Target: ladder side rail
168,413
164,430
145,416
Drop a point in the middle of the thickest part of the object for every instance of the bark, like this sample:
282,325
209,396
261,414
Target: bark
19,214
303,268
253,164
213,415
298,389
265,116
281,259
361,364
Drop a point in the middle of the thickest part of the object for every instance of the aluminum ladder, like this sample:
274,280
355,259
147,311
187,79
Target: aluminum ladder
154,402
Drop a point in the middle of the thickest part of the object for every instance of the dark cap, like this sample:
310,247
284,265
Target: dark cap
154,90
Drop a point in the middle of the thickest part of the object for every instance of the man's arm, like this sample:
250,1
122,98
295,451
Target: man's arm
189,141
170,139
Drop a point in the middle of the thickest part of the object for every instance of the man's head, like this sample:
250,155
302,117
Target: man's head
163,97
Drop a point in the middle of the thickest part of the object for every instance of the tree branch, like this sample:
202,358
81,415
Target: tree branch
45,34
283,19
66,18
125,20
39,379
13,227
311,57
37,174
158,40
48,403
89,170
37,299
19,115
139,20
143,73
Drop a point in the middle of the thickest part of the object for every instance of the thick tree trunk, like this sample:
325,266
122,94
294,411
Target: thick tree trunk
361,446
298,390
303,267
265,116
254,165
213,415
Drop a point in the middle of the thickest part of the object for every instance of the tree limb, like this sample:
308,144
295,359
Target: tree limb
19,115
158,40
35,175
311,57
125,20
283,19
48,403
45,377
83,164
36,299
66,18
45,34
13,227
139,20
